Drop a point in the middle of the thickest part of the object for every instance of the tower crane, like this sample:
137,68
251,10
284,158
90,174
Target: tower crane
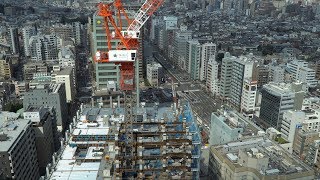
125,55
126,52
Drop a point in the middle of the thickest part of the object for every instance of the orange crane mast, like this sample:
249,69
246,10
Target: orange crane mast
126,52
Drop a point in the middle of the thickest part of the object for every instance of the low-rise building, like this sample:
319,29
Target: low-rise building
154,74
255,158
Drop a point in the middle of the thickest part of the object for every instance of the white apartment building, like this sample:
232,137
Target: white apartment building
248,98
212,82
308,120
208,50
300,72
27,32
307,75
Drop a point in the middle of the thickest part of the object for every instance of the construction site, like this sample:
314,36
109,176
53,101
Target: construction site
161,142
120,137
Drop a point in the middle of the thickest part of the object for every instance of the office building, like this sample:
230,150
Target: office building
242,68
46,137
105,72
308,120
180,49
302,142
20,87
18,153
194,59
51,95
226,75
278,98
67,76
255,158
155,74
312,158
224,129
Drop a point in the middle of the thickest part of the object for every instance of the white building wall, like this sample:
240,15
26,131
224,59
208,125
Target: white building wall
208,50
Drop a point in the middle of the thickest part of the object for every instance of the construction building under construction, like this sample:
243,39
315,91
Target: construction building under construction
163,143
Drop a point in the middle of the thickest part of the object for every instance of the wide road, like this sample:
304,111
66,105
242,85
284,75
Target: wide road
202,103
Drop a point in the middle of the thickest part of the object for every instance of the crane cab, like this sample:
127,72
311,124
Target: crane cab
122,55
130,34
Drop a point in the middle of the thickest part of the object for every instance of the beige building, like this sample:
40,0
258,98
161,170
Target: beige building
302,142
255,158
30,69
66,76
5,67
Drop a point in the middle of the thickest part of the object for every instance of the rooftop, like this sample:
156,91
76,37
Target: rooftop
11,129
279,160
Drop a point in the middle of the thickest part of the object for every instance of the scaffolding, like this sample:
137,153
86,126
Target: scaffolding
158,146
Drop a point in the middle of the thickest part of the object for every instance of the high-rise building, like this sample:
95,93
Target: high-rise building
278,98
194,59
66,57
208,50
224,128
226,75
110,71
18,153
43,48
14,40
302,142
45,128
212,81
307,120
27,32
180,49
52,95
248,98
242,68
67,76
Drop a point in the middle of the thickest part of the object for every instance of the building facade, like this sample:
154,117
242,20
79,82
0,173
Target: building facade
52,95
278,98
18,150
